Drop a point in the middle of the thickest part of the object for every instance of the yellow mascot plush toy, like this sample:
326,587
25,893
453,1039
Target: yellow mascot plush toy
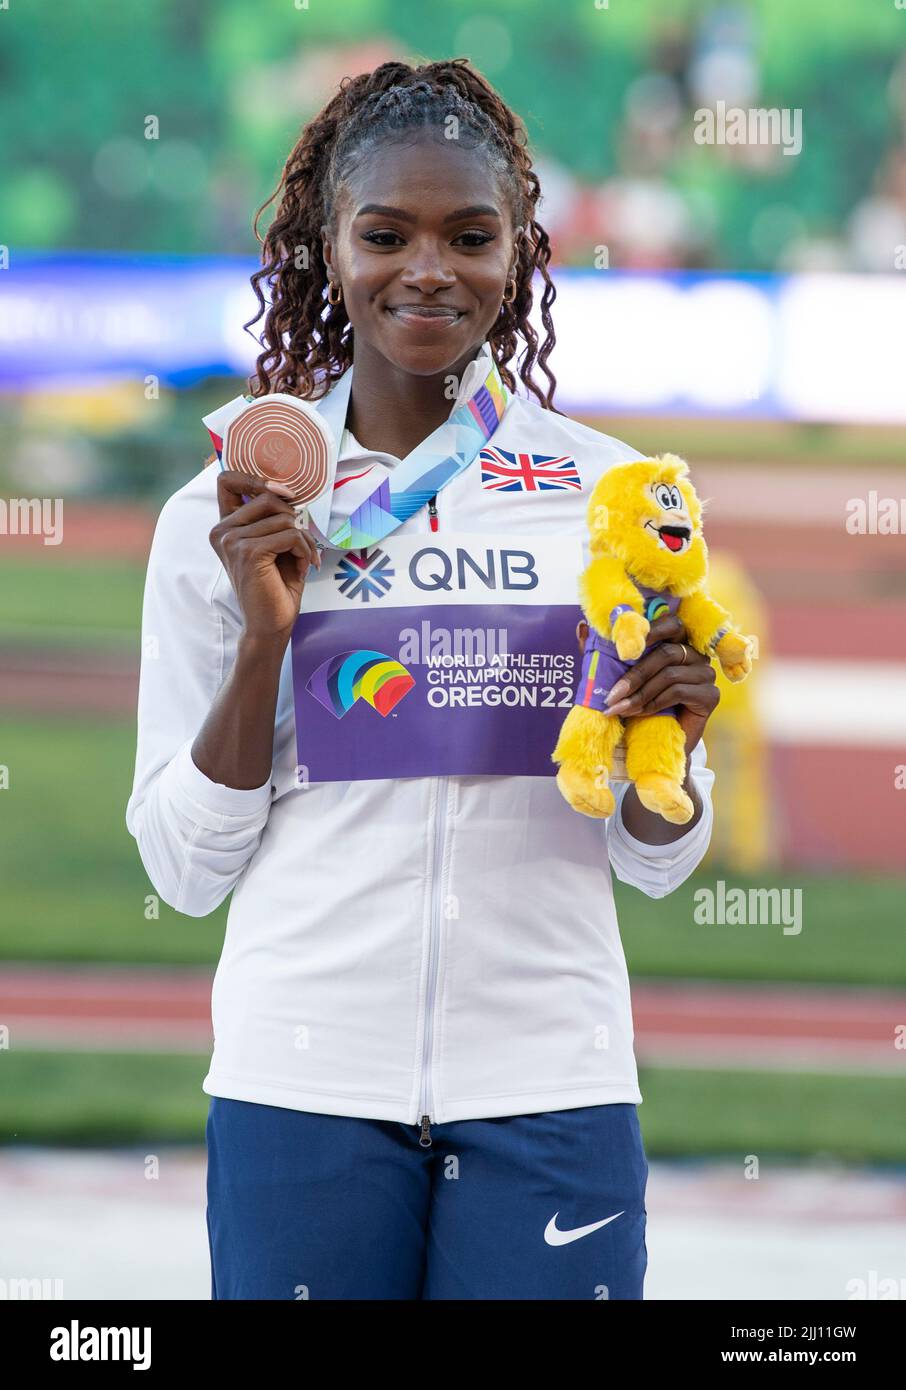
648,559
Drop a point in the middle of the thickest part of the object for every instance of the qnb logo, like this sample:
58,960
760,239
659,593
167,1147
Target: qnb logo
364,576
380,680
432,569
76,1343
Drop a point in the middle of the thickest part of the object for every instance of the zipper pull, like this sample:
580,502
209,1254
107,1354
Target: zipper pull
424,1139
432,515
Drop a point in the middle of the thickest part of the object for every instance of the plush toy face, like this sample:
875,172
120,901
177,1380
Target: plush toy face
647,514
671,524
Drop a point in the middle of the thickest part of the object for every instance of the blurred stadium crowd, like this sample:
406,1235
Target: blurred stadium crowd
607,92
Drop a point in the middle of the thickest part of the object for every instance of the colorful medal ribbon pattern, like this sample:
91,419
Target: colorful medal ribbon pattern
442,456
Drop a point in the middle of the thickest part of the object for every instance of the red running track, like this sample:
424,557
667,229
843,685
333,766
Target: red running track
681,1024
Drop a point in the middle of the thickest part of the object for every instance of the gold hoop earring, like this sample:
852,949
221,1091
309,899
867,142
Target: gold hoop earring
508,298
331,286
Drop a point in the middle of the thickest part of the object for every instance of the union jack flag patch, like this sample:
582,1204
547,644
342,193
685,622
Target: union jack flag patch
502,471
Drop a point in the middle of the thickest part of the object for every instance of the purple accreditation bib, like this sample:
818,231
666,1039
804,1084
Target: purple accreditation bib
429,656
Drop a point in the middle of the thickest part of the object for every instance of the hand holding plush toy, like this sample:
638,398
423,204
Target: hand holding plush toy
649,559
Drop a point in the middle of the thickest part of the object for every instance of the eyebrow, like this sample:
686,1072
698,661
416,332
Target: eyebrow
476,210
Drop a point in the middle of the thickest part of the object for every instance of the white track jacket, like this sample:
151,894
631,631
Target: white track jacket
345,985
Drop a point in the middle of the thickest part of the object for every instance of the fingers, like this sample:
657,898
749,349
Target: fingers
266,530
666,629
281,548
285,542
648,665
272,537
265,514
674,685
235,490
701,699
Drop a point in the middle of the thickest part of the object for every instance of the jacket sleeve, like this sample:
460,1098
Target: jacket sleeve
658,869
194,836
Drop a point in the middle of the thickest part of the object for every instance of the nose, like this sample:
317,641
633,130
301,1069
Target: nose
426,268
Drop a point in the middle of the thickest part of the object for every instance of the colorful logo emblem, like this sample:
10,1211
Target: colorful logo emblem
656,607
363,575
379,679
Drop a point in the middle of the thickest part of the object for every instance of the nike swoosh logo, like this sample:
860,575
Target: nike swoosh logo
553,1236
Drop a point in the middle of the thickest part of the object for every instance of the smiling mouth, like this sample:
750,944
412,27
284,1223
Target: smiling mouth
675,538
436,315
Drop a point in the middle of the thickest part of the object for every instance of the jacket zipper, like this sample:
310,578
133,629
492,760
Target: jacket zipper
440,818
440,823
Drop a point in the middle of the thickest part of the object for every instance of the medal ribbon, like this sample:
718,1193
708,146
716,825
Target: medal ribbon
439,459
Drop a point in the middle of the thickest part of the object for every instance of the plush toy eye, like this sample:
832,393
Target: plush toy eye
677,498
663,494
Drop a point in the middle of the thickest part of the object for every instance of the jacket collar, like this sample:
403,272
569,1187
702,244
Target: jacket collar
334,407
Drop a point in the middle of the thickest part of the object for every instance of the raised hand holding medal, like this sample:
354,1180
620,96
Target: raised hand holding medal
280,439
277,457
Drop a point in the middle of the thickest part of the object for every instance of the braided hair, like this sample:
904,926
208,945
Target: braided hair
307,343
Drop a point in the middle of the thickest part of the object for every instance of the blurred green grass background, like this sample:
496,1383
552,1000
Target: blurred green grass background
61,601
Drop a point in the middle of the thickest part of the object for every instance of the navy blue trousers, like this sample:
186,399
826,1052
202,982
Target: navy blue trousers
305,1206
